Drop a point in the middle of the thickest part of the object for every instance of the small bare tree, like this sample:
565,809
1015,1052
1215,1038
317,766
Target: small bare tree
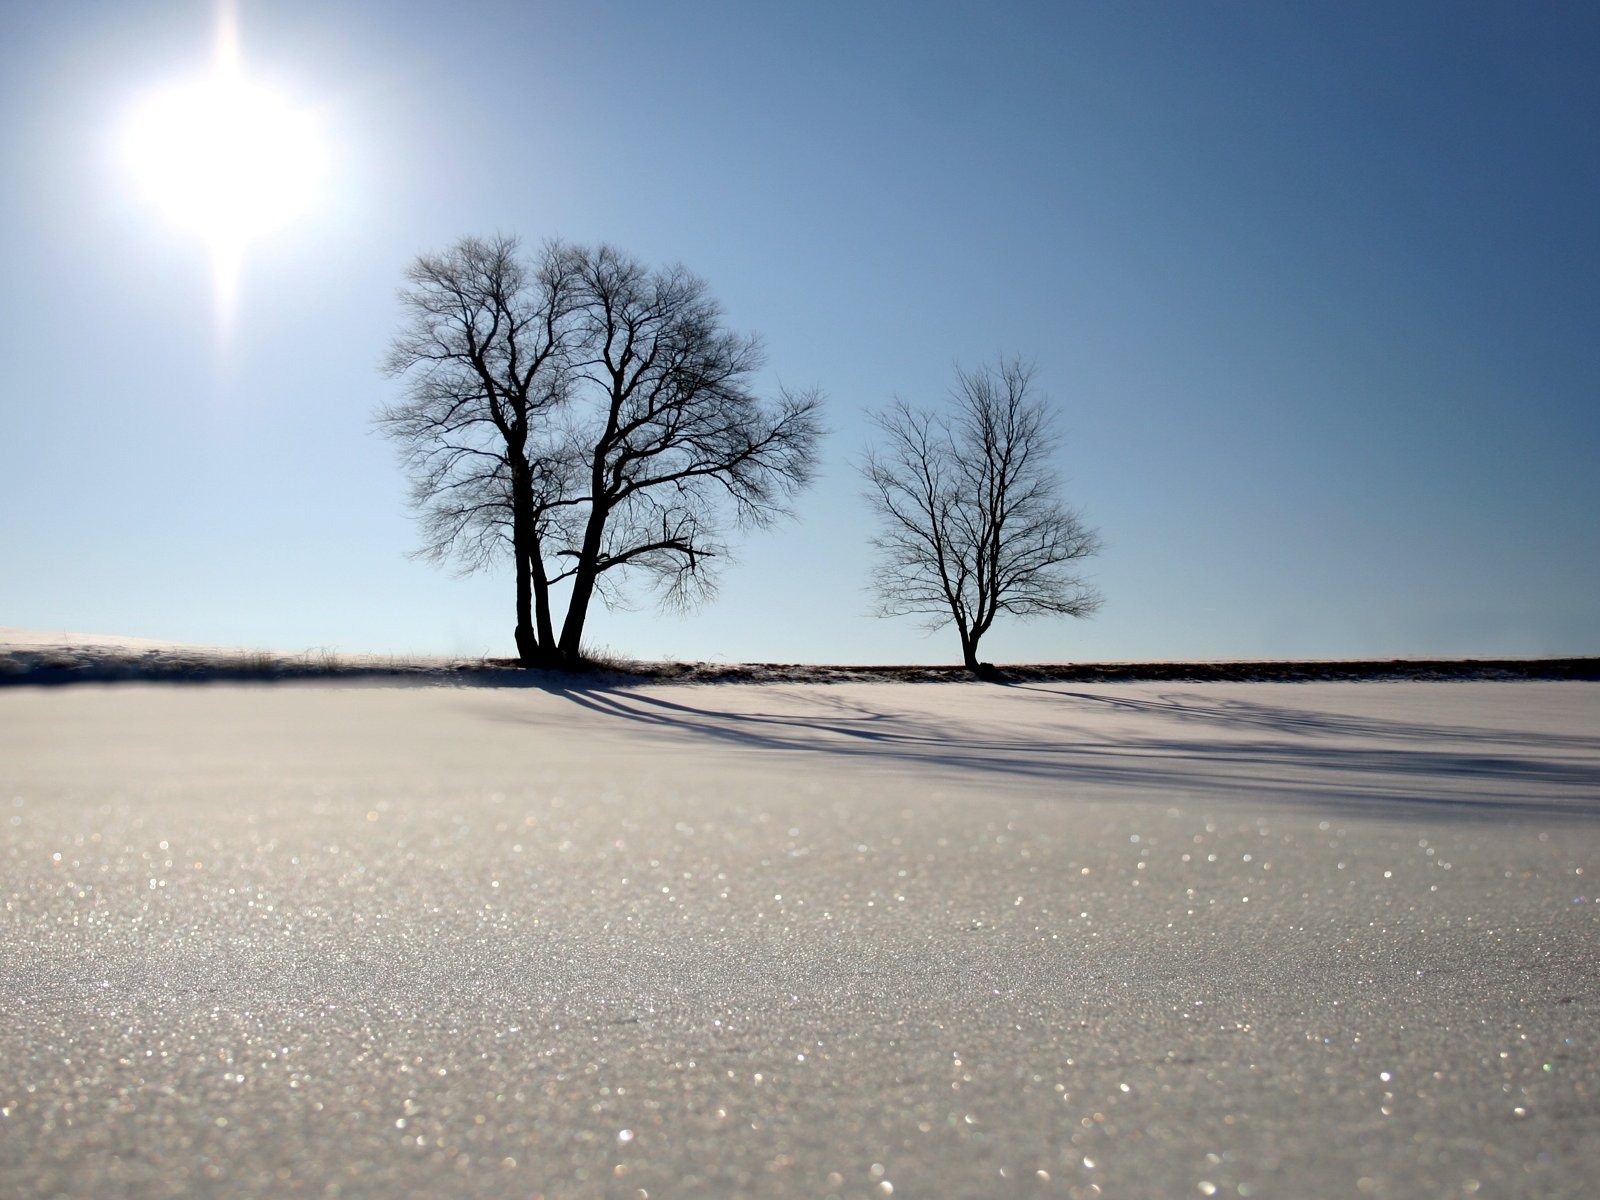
971,520
590,417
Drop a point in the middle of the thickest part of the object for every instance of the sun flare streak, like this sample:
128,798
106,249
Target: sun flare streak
225,158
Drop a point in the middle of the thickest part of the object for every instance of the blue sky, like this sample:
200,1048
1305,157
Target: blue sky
1312,286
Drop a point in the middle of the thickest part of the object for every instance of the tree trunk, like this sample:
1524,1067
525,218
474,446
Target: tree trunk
571,648
583,581
541,604
969,649
527,640
534,641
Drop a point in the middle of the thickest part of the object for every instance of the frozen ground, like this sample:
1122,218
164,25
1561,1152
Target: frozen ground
1148,940
52,656
47,657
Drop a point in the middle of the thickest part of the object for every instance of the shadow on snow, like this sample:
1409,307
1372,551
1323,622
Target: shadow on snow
1250,749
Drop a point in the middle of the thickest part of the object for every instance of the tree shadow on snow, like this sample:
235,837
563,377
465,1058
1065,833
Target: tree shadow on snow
1241,749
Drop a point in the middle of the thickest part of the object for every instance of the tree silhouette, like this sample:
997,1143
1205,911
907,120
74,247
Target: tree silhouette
971,524
592,418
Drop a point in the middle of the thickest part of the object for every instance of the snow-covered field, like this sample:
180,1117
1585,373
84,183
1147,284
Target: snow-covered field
56,656
859,939
38,657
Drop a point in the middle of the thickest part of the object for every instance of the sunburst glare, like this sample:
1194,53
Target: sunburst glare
226,158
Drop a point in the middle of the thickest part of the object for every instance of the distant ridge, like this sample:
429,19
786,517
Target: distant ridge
1243,671
25,662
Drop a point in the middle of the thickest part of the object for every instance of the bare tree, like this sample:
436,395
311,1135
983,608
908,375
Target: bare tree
971,521
591,418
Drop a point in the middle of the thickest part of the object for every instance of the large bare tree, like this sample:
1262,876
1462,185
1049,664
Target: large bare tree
592,418
971,523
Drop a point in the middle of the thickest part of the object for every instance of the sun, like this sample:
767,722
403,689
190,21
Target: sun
225,158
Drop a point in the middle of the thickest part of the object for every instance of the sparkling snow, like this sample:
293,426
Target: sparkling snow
790,940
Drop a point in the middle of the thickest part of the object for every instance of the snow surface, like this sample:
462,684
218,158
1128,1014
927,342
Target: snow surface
13,636
33,655
800,940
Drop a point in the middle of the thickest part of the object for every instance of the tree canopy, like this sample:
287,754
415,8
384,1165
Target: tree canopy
592,418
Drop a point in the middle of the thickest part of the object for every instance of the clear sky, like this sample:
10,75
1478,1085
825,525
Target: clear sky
1314,287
